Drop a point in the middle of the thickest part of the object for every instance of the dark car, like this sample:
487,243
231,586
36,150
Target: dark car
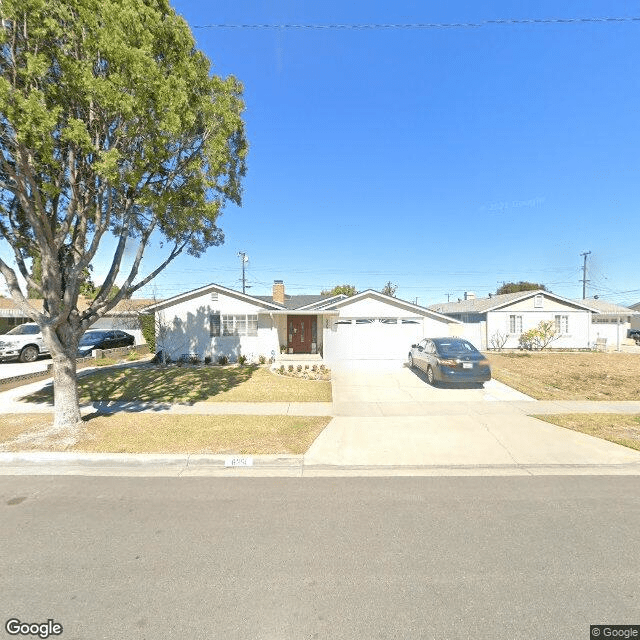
634,334
449,360
96,339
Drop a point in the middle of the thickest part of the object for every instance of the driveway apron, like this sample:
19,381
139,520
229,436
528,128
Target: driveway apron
393,417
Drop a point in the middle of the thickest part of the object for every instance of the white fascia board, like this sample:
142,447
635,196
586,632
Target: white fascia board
398,302
530,294
182,297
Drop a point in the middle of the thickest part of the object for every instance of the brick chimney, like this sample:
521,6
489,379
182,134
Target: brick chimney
278,291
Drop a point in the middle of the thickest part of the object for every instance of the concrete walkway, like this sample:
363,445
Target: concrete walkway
389,423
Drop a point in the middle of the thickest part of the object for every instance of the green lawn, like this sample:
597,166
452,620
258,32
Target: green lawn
168,433
190,384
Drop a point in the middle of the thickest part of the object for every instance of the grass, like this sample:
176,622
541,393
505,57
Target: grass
189,384
570,376
622,429
151,433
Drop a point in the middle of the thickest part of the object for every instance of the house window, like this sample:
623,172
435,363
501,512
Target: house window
239,325
562,324
537,301
214,325
365,320
515,324
409,321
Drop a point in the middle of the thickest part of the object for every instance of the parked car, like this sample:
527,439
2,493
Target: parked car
24,343
95,339
635,334
449,360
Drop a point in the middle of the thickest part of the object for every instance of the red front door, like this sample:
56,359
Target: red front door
299,333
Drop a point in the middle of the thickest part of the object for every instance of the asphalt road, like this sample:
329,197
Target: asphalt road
474,558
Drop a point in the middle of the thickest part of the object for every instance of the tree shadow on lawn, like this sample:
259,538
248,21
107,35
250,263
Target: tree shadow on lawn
154,384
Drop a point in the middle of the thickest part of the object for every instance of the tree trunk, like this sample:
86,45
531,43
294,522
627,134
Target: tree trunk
65,393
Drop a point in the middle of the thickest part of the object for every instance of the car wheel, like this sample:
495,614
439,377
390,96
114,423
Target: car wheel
430,377
29,354
410,361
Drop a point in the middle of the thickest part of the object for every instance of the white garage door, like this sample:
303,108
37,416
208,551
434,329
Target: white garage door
374,338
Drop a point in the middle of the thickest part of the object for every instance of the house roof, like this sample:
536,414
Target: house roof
405,304
482,305
8,307
265,301
609,308
299,302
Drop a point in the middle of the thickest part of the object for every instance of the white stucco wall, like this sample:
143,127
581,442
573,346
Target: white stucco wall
579,336
185,328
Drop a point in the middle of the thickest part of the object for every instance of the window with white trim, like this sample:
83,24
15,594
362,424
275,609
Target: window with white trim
515,324
562,324
233,325
537,301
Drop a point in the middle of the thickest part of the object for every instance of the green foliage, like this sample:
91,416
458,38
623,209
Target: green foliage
389,289
148,326
514,287
242,360
110,112
223,360
346,289
539,337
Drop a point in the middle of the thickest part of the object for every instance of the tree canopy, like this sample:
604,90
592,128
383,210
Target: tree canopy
389,289
110,123
514,287
346,289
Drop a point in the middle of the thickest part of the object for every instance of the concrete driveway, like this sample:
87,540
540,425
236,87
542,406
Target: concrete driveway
392,417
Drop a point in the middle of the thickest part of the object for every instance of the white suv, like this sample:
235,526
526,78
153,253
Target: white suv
24,342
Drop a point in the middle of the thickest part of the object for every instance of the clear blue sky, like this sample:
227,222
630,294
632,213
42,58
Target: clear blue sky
444,160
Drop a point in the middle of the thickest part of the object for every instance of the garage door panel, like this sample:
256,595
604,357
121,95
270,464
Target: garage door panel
377,339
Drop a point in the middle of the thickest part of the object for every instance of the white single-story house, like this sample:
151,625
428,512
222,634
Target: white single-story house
635,320
501,319
214,320
124,316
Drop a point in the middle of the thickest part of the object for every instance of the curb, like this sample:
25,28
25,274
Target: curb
217,465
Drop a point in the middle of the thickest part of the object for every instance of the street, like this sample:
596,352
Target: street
278,558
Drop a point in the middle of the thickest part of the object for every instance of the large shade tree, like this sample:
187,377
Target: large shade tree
111,123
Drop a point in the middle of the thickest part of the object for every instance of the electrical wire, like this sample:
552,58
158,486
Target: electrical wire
423,25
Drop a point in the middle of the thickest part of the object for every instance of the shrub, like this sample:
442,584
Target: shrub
262,359
299,368
290,368
133,355
207,359
281,369
222,360
148,326
242,360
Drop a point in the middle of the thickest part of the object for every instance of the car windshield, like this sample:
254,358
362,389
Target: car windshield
24,329
91,337
455,347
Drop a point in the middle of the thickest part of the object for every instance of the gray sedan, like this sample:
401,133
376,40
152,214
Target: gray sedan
449,360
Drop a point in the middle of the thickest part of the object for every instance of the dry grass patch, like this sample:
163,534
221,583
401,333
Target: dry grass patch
165,433
570,376
622,429
189,384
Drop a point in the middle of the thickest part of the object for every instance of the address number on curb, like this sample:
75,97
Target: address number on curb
237,461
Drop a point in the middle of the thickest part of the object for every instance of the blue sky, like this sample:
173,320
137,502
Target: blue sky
445,160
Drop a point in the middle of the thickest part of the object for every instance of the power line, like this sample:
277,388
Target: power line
422,25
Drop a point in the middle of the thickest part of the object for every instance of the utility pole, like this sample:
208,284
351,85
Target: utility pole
245,259
584,274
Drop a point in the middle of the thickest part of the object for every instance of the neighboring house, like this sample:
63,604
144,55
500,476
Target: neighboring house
503,318
635,320
123,316
214,321
612,321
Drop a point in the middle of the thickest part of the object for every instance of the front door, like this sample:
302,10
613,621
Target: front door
299,334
